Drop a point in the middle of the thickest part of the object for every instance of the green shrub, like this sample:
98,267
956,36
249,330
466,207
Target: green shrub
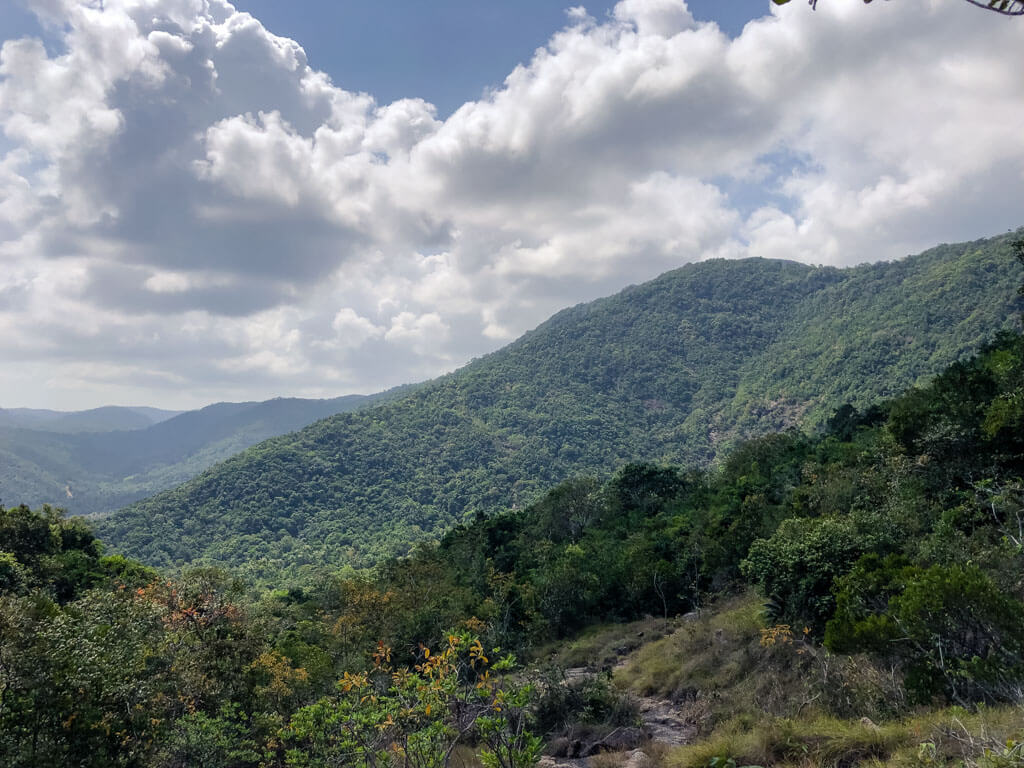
797,566
12,573
589,700
955,633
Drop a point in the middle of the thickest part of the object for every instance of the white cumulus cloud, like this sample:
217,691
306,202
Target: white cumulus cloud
190,212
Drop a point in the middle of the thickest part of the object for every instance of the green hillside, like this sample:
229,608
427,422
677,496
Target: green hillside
843,599
95,471
674,370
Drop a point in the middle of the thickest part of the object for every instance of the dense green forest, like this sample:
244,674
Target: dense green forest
887,549
94,462
676,370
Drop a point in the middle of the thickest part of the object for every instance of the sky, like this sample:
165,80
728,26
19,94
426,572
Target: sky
202,201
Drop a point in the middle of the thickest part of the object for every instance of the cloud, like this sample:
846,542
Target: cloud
655,18
184,199
420,332
353,330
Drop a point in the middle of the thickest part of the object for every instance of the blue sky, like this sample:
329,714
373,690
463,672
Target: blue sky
197,204
444,52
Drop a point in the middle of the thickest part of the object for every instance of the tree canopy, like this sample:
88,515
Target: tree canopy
1005,7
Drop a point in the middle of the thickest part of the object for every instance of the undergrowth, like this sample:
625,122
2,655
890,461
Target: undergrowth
734,666
769,696
988,738
601,646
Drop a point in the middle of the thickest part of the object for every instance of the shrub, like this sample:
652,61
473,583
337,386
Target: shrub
590,700
797,566
955,633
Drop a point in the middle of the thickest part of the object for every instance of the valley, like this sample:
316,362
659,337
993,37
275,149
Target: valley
94,462
645,378
848,596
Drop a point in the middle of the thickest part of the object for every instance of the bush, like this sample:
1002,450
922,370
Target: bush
797,566
589,700
955,633
12,573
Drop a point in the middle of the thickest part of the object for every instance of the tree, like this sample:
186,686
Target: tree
1018,252
798,565
1005,7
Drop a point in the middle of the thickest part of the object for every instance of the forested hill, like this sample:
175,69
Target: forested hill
90,463
673,370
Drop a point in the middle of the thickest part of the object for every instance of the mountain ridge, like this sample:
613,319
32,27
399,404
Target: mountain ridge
96,472
677,370
107,418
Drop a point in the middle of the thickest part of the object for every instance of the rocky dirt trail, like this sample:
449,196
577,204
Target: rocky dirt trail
665,724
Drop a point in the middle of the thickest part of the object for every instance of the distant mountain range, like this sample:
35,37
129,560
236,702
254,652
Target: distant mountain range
677,369
106,419
93,462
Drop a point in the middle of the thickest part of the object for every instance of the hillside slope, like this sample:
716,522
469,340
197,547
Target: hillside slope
672,370
93,472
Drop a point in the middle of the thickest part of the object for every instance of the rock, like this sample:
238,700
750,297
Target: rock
559,747
867,723
619,740
549,762
638,759
666,723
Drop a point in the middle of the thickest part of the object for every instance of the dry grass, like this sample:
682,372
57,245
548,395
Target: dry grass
603,645
657,756
658,753
991,737
608,760
824,743
791,704
721,660
708,653
953,737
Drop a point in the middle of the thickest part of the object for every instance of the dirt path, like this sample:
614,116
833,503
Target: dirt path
665,722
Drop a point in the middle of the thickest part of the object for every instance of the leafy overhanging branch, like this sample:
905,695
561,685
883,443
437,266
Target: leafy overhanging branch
1005,7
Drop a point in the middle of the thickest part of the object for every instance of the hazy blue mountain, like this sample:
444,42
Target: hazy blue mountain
93,472
106,419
